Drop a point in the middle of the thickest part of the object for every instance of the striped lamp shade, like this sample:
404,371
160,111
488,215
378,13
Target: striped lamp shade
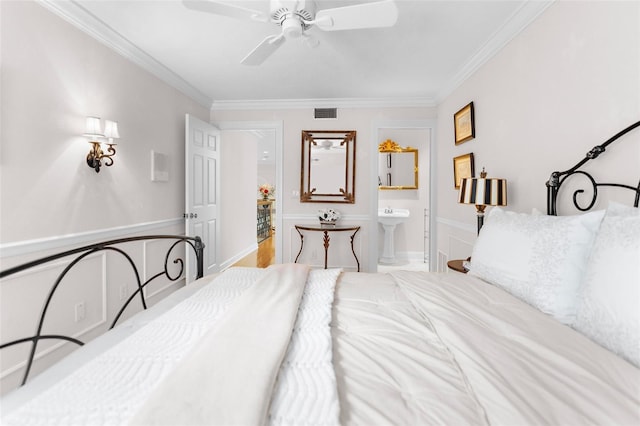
483,191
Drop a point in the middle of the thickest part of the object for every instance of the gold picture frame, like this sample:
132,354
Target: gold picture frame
463,167
464,125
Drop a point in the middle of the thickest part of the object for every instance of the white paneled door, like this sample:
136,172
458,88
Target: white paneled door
202,191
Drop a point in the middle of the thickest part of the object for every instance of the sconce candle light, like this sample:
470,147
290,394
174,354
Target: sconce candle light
94,134
483,192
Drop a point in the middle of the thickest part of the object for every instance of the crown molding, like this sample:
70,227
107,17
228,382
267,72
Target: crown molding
323,103
519,20
82,19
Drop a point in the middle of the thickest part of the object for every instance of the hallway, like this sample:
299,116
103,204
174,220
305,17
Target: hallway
263,257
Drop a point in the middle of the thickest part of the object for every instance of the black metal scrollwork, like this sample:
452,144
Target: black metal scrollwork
558,178
577,192
82,252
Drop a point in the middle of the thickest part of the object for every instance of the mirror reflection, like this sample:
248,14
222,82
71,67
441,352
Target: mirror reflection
328,166
397,166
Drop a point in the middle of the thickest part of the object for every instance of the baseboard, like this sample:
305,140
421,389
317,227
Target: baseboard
411,256
229,262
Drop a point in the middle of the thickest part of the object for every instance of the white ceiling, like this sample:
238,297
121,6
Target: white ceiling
433,47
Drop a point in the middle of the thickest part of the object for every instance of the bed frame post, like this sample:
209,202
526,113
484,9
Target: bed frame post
199,246
553,185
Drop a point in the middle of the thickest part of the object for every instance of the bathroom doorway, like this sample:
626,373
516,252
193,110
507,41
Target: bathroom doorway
413,239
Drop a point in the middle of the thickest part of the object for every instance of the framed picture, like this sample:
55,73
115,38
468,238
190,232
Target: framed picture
463,124
462,168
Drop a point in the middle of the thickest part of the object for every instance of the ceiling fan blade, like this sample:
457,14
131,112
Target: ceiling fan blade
225,9
263,50
366,15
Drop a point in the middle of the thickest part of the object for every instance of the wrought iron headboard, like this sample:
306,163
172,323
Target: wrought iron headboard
558,178
194,242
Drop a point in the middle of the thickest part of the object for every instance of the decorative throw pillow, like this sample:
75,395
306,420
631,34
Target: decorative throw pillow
609,302
538,258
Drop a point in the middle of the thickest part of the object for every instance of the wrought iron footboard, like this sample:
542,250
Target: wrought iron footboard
558,178
82,252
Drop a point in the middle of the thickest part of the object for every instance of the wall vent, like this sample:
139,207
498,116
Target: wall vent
325,113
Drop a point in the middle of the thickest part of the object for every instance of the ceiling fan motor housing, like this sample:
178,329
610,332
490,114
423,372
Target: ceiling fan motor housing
291,15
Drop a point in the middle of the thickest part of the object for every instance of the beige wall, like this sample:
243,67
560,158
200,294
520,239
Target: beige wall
53,75
567,83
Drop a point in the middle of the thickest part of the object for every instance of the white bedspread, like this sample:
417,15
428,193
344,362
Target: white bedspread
413,348
116,385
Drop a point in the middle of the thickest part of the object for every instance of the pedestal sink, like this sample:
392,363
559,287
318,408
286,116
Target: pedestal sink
389,218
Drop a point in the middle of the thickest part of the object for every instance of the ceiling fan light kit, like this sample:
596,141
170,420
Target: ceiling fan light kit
296,17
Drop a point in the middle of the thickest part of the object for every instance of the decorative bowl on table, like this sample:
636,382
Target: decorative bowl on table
328,217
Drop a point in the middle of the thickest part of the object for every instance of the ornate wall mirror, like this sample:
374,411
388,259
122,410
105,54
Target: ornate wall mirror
328,166
397,166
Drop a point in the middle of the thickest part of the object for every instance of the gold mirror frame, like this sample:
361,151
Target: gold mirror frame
328,172
390,147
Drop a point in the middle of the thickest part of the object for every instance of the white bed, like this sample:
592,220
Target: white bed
407,348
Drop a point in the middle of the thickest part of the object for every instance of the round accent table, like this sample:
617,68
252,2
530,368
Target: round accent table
457,265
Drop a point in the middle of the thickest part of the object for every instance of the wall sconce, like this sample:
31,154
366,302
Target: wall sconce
94,133
483,192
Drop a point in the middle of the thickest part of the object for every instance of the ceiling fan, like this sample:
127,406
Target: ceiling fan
327,144
297,16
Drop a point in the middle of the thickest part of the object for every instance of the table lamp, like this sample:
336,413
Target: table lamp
483,192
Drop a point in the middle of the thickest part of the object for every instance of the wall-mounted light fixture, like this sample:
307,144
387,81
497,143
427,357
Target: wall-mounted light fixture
94,133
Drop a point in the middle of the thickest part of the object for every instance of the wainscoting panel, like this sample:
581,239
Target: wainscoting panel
442,261
459,248
78,308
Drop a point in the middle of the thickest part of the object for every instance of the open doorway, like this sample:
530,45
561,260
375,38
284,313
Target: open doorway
252,158
267,195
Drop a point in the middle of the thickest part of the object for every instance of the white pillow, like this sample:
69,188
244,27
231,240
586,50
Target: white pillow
609,303
538,258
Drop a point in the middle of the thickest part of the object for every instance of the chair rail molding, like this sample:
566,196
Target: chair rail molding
32,246
457,224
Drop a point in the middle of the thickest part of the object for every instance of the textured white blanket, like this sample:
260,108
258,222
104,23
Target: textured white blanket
228,378
306,392
112,388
